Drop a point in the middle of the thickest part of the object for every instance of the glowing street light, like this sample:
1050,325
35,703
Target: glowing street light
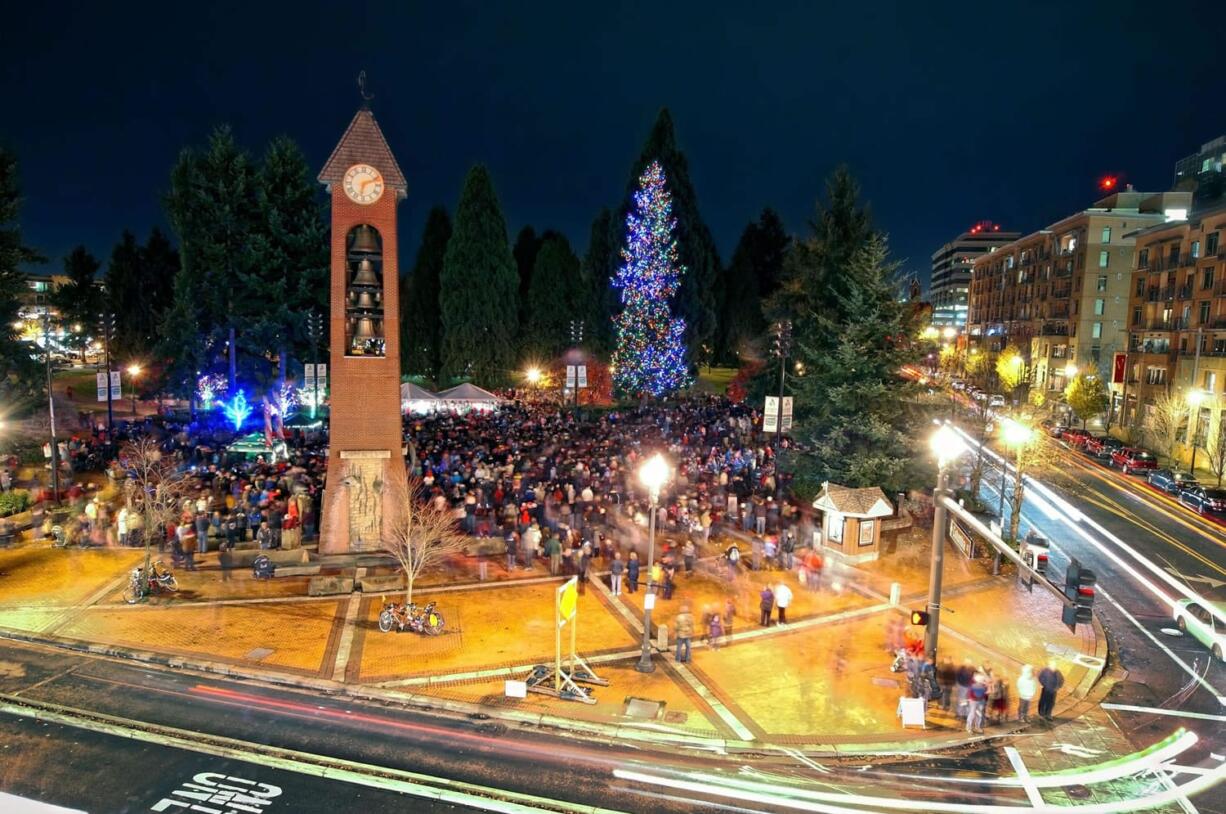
950,332
947,445
653,474
1070,370
134,370
533,374
1016,434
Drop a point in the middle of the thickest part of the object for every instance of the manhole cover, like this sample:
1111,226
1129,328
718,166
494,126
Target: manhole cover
1171,631
260,653
643,708
1077,792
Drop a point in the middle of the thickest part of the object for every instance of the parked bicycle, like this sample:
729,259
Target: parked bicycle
410,617
159,581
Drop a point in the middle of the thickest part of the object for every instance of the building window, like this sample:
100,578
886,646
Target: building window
1173,256
1096,330
1204,312
1096,354
1098,307
1155,375
1102,282
1106,234
1104,257
1195,249
1211,243
1207,279
1140,286
1136,316
1210,381
1143,259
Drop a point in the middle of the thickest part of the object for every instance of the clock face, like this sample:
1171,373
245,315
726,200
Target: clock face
363,184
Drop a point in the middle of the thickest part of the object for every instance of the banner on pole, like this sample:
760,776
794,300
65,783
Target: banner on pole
786,423
770,418
101,386
1119,364
321,377
116,387
583,375
308,378
570,376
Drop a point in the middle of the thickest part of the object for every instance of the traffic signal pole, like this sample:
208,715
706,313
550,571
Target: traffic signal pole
940,522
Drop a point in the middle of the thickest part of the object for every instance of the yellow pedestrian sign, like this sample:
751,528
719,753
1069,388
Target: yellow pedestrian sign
568,599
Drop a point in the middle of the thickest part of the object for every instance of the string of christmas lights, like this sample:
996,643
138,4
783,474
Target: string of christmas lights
650,353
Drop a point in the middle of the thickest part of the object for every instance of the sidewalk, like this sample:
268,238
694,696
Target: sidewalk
821,683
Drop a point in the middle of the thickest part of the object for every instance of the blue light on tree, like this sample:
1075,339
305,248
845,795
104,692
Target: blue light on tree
237,410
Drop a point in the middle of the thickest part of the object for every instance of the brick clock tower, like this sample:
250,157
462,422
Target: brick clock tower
365,450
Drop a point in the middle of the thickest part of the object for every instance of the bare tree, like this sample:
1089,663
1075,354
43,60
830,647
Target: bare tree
154,490
1216,450
1164,424
420,534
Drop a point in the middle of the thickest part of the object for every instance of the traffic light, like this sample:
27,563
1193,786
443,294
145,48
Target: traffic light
919,617
1079,591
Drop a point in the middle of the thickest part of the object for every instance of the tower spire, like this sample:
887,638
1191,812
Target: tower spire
366,95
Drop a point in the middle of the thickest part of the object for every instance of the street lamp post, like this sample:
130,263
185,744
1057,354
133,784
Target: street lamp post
55,444
1016,436
652,474
948,446
133,371
1195,398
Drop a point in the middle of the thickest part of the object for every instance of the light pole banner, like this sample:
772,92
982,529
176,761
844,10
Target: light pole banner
583,375
570,376
786,423
101,386
116,389
770,418
321,377
308,378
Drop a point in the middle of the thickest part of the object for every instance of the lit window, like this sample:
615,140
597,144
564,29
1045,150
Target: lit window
1195,249
1096,330
1102,282
1104,257
1106,234
1210,381
1098,307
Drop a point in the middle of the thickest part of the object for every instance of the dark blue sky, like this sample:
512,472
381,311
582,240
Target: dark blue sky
947,114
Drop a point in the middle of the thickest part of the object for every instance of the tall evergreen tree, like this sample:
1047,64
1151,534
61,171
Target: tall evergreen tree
698,299
479,297
420,324
752,276
527,244
599,265
19,374
80,299
213,207
139,290
557,299
650,355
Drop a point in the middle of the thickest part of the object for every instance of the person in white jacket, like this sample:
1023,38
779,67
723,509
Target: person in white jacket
783,598
1026,688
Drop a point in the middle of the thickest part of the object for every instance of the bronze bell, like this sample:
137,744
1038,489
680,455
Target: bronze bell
365,241
366,274
365,331
365,301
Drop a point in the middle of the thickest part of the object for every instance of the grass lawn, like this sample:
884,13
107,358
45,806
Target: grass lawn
715,379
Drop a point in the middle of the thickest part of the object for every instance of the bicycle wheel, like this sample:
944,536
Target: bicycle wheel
386,621
434,623
131,594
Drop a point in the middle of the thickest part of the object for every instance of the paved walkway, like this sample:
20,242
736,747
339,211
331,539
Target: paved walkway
822,681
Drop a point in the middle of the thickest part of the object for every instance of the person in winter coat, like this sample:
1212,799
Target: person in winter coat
963,677
632,572
1051,680
684,626
1026,688
688,553
945,678
976,700
189,542
617,569
783,598
766,603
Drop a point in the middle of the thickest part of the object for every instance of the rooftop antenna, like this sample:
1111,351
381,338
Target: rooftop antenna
366,95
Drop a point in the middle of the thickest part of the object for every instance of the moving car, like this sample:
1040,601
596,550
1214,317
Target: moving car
1205,501
996,401
958,384
1195,618
1171,482
1054,428
1131,459
1101,446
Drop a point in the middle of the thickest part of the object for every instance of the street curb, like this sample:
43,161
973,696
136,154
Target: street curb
585,730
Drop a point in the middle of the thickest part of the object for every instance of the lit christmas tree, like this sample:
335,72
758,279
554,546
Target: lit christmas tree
650,354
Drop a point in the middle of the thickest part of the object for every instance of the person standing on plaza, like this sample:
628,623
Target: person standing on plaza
616,569
766,603
1026,688
582,563
783,598
553,550
688,553
632,572
963,677
729,618
511,540
684,627
189,544
531,540
977,699
1051,680
945,678
715,629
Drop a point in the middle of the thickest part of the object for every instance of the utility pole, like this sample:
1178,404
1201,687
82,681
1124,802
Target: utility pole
783,346
55,449
107,321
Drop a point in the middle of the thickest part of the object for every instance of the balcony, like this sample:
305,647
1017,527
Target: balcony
1053,330
1184,293
1205,352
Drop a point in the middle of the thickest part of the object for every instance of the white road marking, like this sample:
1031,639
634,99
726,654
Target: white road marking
1210,581
1156,711
1023,774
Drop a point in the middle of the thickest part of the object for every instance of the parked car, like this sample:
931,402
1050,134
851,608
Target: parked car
1205,501
979,395
958,384
1075,437
1054,428
1102,446
996,401
1130,459
1171,482
1195,618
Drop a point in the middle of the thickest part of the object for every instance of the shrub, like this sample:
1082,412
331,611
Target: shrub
14,501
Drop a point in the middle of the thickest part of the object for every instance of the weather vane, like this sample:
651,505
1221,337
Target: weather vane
366,97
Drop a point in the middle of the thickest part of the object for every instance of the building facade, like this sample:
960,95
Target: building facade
1177,321
952,265
1204,173
1061,294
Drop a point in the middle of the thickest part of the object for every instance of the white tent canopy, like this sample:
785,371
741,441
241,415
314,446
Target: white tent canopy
460,399
417,399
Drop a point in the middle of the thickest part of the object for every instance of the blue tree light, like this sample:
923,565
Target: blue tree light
237,410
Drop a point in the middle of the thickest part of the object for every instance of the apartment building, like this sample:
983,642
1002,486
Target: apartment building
951,271
1177,319
1061,294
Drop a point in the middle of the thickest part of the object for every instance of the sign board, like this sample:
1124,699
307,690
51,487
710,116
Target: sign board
770,417
961,539
1119,365
583,375
515,689
911,710
649,601
570,376
568,598
786,423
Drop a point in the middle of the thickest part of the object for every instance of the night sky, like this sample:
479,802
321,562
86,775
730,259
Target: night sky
947,114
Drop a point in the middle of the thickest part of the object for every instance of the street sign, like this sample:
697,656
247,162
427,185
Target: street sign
583,375
770,417
786,423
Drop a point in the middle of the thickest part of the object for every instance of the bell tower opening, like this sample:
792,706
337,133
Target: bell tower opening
364,322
